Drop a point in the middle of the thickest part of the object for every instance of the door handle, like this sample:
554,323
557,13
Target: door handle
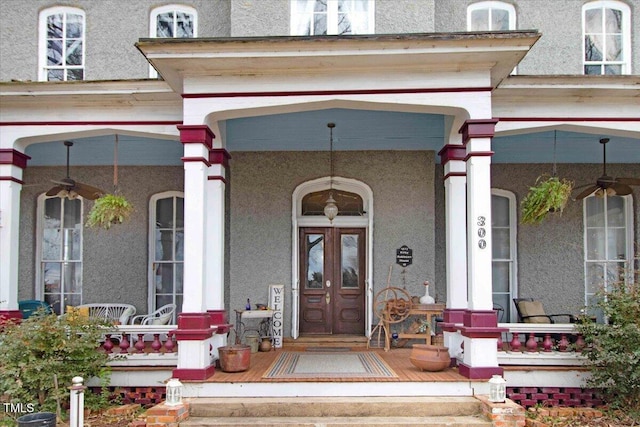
328,284
327,298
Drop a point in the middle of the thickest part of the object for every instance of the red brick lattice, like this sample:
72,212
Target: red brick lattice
554,396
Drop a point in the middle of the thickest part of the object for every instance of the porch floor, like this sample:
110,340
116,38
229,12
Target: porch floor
397,359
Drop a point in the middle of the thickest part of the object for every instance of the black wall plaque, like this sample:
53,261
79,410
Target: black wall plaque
404,256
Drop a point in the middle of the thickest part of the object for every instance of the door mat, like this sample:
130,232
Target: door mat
329,365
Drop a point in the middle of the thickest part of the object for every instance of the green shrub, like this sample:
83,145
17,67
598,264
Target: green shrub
613,349
42,347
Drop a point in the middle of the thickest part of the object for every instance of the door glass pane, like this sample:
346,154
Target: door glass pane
617,244
349,261
52,276
315,260
595,210
615,211
501,244
179,277
499,211
164,278
595,277
72,278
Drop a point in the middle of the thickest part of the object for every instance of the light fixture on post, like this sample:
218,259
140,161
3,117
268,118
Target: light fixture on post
174,392
330,208
497,389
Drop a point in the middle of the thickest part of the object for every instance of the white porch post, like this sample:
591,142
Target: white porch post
214,284
195,330
480,331
455,180
12,164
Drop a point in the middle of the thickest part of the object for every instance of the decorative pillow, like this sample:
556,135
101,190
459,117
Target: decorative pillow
77,311
126,314
533,308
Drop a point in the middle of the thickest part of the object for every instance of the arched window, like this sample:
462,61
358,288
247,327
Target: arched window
606,28
322,17
172,21
59,251
608,244
166,250
491,16
349,204
504,259
62,44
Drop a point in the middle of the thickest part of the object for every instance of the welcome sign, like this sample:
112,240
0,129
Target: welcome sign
276,303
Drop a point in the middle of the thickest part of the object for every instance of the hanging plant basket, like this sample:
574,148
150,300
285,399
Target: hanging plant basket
550,194
108,210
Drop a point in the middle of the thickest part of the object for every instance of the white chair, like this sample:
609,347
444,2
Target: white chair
161,316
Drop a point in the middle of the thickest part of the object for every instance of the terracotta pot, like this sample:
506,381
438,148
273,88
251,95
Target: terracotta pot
430,357
265,344
235,358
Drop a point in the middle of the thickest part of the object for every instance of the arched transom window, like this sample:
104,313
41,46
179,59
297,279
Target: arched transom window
349,204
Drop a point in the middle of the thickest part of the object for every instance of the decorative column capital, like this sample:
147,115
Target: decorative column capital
9,156
196,134
219,156
478,128
452,152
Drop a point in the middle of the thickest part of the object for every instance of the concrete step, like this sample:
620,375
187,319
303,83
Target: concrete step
457,421
341,407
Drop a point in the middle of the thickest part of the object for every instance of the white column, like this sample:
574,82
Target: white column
216,187
479,254
480,329
455,181
12,163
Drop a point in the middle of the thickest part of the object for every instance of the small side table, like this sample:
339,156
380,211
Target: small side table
265,327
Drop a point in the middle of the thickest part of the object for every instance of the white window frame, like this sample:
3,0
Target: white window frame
153,27
513,250
43,67
626,35
490,6
40,226
629,233
332,17
151,299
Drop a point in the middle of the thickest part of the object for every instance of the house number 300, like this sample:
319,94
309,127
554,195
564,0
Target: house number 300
482,232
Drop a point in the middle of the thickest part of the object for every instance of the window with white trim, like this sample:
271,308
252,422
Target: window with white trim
503,232
608,245
606,29
166,250
62,44
59,252
172,21
331,17
491,16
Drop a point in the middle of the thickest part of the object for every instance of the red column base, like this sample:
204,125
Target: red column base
6,315
479,372
194,374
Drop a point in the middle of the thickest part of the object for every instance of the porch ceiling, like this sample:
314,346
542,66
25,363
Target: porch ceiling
355,130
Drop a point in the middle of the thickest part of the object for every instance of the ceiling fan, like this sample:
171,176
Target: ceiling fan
607,184
67,187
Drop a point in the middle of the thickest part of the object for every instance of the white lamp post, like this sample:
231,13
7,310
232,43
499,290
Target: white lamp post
497,389
174,392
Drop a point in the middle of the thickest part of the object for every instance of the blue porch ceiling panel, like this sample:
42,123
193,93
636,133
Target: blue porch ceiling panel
355,130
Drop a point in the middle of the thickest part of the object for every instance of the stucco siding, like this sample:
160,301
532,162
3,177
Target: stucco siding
404,16
260,224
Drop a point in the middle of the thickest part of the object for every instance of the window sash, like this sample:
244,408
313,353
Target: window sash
62,44
606,38
331,17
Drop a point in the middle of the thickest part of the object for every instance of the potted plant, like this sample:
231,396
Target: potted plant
550,194
108,210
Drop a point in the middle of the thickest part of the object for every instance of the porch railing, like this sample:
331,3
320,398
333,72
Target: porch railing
141,345
537,344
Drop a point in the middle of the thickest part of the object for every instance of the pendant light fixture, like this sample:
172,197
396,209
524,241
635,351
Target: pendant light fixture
330,208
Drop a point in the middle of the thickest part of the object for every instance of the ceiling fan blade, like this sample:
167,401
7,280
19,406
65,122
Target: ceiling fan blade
55,190
629,181
621,189
587,192
87,191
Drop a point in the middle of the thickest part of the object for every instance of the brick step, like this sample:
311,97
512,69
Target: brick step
344,407
458,421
